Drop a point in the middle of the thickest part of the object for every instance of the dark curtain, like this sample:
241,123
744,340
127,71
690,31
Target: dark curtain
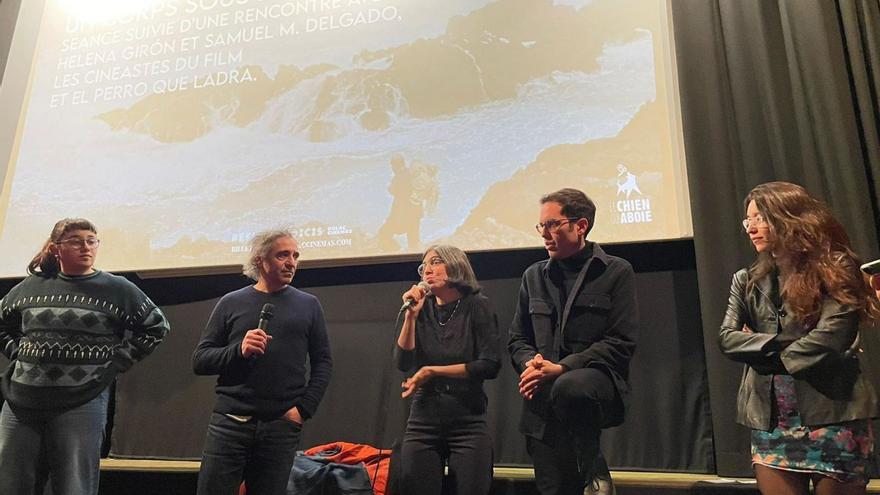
772,90
162,408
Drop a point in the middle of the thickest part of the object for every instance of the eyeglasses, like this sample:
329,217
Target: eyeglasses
758,221
436,260
78,243
553,225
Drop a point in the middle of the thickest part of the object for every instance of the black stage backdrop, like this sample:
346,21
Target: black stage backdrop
162,408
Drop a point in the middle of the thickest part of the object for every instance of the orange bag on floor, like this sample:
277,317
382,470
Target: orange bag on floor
376,461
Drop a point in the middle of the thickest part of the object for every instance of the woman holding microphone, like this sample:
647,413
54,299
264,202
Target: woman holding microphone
450,337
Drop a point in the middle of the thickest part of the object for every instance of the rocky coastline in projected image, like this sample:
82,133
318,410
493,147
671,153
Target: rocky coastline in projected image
457,133
497,222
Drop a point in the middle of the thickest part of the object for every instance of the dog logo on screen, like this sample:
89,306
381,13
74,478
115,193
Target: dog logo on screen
631,210
626,181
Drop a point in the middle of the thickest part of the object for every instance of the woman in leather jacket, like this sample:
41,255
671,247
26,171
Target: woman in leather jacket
793,318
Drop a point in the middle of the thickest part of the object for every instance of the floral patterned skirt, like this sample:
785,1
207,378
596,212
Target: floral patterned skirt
840,451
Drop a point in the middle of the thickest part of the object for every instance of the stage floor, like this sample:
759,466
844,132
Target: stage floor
508,480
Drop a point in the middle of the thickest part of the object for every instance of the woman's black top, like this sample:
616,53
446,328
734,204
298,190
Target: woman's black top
464,331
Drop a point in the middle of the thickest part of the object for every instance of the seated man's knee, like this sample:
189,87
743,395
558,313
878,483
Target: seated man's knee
578,388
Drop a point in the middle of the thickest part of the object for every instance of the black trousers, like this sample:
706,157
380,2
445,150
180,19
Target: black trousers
568,454
446,428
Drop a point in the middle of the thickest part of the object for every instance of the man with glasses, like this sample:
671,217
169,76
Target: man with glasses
263,396
571,341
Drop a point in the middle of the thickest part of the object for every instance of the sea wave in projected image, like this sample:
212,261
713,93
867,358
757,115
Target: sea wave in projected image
448,131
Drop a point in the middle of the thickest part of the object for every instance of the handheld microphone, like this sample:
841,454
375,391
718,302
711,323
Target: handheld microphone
266,314
410,302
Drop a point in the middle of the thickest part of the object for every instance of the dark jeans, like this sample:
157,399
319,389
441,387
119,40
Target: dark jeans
260,453
64,445
568,455
445,429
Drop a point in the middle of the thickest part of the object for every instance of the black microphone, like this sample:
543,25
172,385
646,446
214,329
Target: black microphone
266,314
410,302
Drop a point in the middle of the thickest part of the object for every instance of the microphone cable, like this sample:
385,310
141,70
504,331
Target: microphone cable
383,405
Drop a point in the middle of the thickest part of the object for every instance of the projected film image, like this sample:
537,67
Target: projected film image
369,127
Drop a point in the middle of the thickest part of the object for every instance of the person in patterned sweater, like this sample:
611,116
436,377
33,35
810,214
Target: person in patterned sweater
68,330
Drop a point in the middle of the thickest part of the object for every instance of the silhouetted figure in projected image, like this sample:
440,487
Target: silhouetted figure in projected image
414,189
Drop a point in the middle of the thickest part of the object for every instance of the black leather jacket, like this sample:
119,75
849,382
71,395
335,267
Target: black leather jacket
822,357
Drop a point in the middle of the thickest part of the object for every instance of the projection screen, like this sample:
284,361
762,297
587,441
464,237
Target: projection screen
372,128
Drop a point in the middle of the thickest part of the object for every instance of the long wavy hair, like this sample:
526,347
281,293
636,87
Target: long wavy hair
44,263
814,248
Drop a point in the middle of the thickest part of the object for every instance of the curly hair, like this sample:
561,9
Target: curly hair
261,247
813,245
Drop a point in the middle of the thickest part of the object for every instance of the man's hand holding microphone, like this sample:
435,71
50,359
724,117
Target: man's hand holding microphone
255,341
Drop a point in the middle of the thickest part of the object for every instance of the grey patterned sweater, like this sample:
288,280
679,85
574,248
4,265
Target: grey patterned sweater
68,337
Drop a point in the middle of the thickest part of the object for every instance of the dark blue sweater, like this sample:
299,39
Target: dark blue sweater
268,385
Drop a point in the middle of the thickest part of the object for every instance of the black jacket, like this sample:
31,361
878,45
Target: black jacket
600,326
822,357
